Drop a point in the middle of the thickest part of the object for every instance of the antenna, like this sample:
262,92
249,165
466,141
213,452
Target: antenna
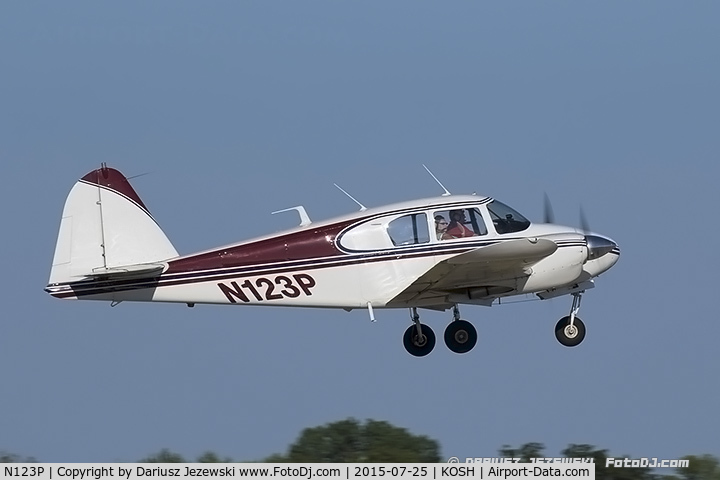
438,182
362,207
304,219
140,175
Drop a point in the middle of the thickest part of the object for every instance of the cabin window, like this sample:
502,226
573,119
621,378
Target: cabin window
459,223
409,230
505,219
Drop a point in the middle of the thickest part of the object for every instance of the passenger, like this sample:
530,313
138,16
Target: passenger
441,226
457,228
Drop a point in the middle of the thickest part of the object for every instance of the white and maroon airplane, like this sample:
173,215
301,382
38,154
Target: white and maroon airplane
434,253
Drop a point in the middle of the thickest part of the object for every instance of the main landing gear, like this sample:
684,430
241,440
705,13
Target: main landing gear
460,335
419,339
570,330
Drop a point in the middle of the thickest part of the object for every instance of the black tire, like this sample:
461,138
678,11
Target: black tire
460,336
419,347
567,337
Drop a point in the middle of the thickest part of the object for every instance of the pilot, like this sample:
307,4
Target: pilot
441,226
457,228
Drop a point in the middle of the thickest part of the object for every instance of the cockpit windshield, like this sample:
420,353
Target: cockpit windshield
505,219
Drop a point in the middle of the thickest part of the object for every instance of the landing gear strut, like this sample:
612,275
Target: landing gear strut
419,339
570,330
460,335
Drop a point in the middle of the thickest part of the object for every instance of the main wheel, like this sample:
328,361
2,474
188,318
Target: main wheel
460,336
416,345
568,335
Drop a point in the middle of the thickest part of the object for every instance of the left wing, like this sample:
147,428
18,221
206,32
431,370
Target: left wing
488,271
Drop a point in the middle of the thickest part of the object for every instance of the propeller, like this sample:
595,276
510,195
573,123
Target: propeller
597,245
584,225
549,216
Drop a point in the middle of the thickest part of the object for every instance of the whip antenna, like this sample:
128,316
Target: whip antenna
438,182
362,207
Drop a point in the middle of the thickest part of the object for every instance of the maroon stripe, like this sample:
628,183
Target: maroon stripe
312,243
111,286
113,180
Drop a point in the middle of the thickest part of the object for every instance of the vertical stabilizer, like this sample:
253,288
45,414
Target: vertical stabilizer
104,228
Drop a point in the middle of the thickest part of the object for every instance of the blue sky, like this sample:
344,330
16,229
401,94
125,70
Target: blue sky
238,109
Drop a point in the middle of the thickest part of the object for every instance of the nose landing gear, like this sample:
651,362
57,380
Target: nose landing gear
570,330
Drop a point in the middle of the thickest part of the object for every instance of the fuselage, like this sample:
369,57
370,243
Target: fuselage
369,258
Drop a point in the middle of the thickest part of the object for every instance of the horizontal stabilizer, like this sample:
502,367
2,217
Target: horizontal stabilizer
128,271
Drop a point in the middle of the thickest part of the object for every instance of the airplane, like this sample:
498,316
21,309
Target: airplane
434,253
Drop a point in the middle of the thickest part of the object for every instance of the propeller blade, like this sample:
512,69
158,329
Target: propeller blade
584,225
549,216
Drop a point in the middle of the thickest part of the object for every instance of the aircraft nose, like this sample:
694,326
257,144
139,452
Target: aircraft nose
598,246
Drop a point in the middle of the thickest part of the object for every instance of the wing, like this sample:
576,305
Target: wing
485,271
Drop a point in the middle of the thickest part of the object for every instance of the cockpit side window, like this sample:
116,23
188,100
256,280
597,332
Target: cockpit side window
459,223
409,230
505,219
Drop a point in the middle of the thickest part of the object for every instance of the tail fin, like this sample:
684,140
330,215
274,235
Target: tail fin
107,230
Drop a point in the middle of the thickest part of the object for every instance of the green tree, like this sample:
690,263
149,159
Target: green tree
163,456
351,441
524,453
276,458
6,457
601,471
212,457
701,467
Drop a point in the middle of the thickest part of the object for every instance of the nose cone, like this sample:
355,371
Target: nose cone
599,246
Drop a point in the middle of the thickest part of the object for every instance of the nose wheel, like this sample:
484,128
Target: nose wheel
570,330
570,335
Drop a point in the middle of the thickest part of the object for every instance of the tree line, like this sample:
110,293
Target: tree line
352,441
